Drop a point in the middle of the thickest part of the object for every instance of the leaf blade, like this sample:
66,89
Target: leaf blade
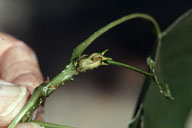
173,66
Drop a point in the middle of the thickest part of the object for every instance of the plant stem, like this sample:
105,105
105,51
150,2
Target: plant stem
42,92
49,125
30,105
82,46
45,89
112,62
78,64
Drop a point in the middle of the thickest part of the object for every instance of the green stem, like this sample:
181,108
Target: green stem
49,125
45,89
30,105
112,62
42,92
82,46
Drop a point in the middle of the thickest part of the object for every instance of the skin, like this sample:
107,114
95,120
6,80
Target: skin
19,75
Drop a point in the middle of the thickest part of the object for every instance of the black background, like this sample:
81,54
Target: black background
57,26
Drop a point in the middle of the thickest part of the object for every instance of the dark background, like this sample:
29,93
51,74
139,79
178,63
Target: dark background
54,27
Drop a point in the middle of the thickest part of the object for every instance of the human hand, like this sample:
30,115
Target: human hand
19,75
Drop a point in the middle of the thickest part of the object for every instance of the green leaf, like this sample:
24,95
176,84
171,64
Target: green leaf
173,65
82,46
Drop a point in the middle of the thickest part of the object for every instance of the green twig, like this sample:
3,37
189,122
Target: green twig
82,46
112,62
49,125
78,63
40,93
163,87
137,120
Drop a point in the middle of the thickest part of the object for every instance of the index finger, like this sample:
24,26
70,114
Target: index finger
18,63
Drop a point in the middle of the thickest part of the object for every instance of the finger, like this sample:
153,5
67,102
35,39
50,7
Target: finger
18,63
28,125
12,100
